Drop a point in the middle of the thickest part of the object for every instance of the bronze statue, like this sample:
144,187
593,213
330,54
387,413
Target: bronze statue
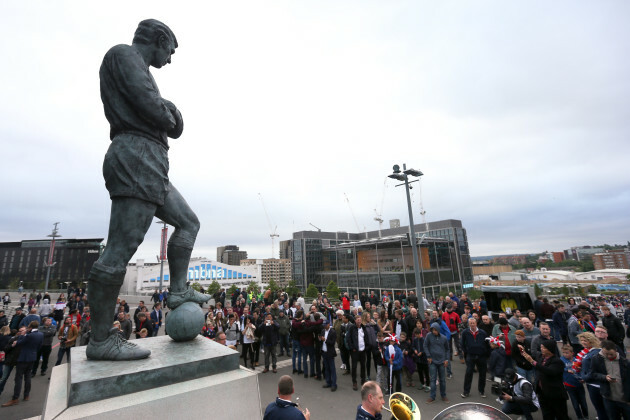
136,175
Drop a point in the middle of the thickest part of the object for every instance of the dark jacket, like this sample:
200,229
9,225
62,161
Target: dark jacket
30,345
549,381
49,334
3,321
560,322
270,335
353,338
598,374
519,360
474,346
12,353
497,361
615,329
15,321
364,415
283,410
330,342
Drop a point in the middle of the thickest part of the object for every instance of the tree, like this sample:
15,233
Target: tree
196,285
332,290
213,288
254,288
538,291
292,289
273,286
231,290
311,291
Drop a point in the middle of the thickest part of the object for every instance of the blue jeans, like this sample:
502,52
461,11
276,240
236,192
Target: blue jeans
527,374
6,372
284,343
526,410
330,373
615,409
308,352
436,371
578,400
598,402
297,354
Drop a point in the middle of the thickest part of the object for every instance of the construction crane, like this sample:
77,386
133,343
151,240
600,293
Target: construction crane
379,215
422,211
273,235
352,212
318,229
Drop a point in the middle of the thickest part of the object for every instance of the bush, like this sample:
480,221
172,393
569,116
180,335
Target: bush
311,291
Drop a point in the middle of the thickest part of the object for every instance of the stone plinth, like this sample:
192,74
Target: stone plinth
169,363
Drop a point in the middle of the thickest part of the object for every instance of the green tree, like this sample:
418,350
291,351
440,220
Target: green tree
231,290
538,290
253,287
311,291
292,289
196,285
332,290
213,288
473,293
273,286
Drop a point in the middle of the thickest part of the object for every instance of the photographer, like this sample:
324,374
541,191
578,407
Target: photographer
517,394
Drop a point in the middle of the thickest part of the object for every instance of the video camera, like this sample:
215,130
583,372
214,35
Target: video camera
500,387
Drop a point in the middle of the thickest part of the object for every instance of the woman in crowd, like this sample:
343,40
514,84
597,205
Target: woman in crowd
249,337
582,366
220,322
384,324
209,329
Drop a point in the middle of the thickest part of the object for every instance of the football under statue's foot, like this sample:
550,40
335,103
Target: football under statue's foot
189,295
115,347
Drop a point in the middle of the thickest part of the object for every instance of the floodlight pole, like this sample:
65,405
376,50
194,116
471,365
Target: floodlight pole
51,251
412,239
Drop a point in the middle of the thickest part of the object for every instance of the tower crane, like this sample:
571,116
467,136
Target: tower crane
352,212
379,215
273,235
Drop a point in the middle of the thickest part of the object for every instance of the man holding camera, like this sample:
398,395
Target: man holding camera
517,394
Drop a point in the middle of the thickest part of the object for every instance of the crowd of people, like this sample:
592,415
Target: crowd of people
536,359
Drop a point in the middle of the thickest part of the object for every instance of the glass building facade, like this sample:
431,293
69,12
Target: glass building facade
25,262
383,260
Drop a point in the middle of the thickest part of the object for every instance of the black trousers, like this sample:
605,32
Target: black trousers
480,363
553,408
44,353
23,371
358,357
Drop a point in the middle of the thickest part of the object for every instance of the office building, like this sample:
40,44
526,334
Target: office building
25,262
272,268
230,255
611,260
379,261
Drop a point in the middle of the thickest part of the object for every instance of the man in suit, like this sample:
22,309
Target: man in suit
328,337
30,341
156,317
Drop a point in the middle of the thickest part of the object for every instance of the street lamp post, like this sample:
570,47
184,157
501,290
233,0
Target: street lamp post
162,250
404,176
51,251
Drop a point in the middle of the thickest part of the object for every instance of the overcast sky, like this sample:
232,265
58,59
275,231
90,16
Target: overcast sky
516,112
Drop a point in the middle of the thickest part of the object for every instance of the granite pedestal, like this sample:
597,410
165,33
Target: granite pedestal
178,379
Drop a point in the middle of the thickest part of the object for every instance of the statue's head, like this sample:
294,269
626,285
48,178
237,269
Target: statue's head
159,37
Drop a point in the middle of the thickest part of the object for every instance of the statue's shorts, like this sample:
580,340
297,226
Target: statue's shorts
136,167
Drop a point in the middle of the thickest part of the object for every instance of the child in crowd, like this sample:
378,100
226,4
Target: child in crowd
574,387
379,361
498,359
409,366
422,365
394,357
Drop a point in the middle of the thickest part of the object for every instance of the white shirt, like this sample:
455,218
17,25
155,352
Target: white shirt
361,340
324,347
356,303
398,329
